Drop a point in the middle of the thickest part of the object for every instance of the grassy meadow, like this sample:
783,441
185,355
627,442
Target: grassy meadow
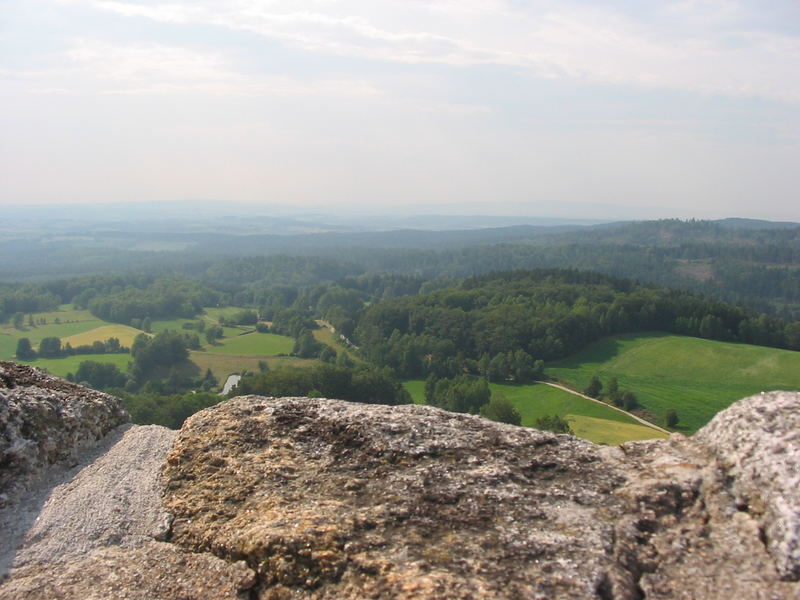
222,365
325,336
71,323
70,364
160,325
696,377
605,431
8,345
177,325
256,344
416,388
589,420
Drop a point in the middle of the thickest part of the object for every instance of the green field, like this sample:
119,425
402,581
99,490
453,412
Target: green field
254,344
589,420
174,324
8,345
697,377
214,314
72,322
70,364
222,365
238,350
210,316
177,325
327,337
415,387
77,327
604,431
66,312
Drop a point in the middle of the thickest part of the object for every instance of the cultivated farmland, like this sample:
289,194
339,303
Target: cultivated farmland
123,333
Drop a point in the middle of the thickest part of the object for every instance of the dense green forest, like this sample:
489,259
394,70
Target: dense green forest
501,323
456,312
753,263
358,384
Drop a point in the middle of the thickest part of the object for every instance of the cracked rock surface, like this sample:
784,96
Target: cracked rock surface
88,528
298,498
327,499
45,420
756,443
151,571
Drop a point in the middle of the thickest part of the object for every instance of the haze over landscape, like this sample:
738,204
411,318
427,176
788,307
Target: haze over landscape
595,110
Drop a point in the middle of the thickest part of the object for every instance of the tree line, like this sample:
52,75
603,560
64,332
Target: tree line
499,325
51,347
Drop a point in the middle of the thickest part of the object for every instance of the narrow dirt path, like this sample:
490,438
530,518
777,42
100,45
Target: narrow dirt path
624,412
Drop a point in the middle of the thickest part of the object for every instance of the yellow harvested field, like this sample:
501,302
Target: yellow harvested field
604,431
222,365
123,333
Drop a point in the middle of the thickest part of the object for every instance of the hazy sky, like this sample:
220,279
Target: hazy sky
618,108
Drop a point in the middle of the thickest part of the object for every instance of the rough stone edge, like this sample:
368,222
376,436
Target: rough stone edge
14,376
761,464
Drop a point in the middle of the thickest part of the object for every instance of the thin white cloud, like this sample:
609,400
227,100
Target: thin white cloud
575,42
160,69
150,69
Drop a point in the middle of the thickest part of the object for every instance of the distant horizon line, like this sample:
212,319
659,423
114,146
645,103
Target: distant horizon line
398,211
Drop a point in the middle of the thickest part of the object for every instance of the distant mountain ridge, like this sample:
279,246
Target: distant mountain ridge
739,223
737,260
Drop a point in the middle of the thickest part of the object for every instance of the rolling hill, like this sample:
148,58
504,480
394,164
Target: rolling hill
697,377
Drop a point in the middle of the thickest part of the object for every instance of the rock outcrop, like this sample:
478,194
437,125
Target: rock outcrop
326,499
44,421
756,443
297,498
86,517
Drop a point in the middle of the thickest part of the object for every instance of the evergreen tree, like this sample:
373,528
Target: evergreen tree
671,417
500,409
612,392
213,333
209,381
100,376
24,349
463,394
629,401
594,388
164,349
306,346
50,347
328,355
554,423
